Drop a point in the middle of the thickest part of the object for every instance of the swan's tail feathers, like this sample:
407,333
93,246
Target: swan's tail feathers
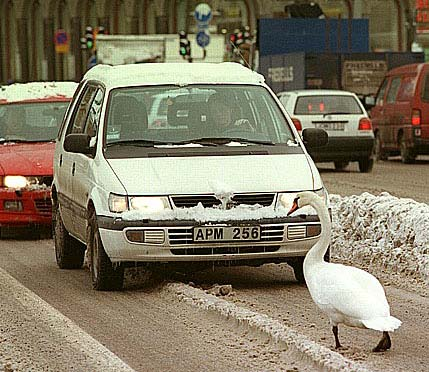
388,324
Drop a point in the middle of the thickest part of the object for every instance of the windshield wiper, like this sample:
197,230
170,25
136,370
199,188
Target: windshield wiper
137,142
16,140
216,141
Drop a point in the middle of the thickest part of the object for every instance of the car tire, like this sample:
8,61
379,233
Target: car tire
341,165
366,165
379,153
407,154
298,269
104,275
69,252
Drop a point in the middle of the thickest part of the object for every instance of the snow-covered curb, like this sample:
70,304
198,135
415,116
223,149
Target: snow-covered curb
382,231
322,358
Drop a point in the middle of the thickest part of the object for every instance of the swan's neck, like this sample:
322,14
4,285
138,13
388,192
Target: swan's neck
318,250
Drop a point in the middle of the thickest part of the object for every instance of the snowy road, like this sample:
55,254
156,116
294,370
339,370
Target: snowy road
149,328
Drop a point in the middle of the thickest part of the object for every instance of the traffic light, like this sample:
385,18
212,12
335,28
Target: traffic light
89,36
184,45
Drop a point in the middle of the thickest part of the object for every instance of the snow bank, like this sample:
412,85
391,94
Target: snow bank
383,231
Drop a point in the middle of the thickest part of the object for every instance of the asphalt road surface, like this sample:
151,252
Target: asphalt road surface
150,329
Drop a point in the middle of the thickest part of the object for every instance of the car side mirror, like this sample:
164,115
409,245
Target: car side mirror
78,143
369,102
315,137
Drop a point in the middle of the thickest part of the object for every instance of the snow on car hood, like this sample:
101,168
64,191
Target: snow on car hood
26,159
214,174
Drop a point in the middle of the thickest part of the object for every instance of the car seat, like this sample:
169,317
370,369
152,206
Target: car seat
130,117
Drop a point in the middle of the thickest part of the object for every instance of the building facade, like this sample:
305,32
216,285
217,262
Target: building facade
40,39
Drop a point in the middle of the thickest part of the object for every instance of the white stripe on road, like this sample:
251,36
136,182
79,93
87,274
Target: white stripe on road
322,357
34,336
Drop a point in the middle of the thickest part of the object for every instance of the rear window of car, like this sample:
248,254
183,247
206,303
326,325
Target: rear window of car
327,104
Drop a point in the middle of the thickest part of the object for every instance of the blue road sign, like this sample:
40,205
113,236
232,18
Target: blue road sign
203,13
203,39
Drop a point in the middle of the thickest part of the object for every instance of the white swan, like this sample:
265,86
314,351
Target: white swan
346,294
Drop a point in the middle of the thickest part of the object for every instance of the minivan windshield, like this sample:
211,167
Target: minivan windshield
327,105
206,114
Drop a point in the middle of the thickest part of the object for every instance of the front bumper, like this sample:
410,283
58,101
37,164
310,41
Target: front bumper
344,148
32,207
173,240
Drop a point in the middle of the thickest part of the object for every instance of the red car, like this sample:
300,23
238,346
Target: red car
30,116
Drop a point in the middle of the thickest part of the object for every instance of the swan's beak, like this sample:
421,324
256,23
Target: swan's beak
294,207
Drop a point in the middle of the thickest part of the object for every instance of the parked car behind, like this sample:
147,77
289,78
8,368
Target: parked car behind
30,115
401,113
342,115
192,192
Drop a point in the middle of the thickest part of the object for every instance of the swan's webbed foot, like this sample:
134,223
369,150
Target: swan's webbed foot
337,340
384,343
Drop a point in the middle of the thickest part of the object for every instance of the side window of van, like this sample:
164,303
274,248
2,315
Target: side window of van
380,95
393,90
425,90
406,89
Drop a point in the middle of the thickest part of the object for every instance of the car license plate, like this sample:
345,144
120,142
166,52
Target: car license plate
226,233
330,126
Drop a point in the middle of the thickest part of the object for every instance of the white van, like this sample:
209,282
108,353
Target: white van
212,187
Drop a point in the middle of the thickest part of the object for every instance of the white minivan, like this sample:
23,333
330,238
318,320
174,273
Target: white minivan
212,187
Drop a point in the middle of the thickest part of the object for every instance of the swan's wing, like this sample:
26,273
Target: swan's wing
350,291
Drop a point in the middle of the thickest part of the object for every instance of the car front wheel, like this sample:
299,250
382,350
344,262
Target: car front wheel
379,153
69,252
105,276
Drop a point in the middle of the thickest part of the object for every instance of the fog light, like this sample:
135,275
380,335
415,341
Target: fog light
145,236
12,205
313,230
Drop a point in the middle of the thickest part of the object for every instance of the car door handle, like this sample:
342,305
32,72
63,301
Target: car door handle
73,168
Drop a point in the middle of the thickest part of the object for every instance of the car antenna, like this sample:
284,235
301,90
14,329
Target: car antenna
236,49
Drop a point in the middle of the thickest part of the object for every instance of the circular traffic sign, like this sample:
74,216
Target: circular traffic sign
203,39
203,13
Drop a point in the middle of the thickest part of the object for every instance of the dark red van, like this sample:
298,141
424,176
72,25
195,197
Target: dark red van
400,117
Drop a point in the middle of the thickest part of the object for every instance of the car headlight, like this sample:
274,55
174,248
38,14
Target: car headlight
150,204
19,182
118,203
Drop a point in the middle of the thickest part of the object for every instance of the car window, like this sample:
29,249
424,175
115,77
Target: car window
93,117
393,90
380,96
78,120
406,88
425,89
36,121
194,112
327,104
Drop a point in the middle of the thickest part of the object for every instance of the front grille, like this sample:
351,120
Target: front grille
184,235
204,251
188,201
192,201
43,206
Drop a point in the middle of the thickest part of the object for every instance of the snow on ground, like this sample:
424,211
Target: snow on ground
382,231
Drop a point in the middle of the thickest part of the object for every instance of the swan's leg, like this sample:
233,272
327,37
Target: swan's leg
337,341
384,343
